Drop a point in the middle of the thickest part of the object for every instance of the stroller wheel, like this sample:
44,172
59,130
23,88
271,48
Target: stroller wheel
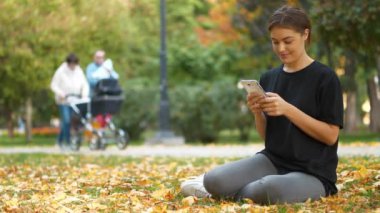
94,142
102,144
122,139
75,141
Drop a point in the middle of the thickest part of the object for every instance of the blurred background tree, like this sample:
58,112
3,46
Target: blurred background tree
353,28
211,45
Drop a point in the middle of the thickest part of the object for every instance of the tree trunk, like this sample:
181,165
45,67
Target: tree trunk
351,116
373,89
374,100
10,124
329,53
28,119
378,69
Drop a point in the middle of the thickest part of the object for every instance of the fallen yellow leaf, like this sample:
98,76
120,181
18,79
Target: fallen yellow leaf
59,196
12,203
96,206
188,201
3,173
160,194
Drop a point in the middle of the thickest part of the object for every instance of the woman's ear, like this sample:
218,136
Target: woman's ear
306,34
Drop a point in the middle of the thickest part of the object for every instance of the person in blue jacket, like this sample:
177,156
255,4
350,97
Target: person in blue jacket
94,71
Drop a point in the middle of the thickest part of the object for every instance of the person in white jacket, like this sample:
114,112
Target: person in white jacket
67,81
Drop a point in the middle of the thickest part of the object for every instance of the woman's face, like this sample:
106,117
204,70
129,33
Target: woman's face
71,66
288,44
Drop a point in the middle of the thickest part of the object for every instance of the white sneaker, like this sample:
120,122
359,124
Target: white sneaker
194,187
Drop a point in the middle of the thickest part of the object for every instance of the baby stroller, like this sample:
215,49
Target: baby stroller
92,122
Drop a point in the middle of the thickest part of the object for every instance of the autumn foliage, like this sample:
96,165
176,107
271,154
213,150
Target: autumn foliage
217,26
64,183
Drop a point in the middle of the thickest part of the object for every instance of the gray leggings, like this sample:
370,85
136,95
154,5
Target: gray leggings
256,178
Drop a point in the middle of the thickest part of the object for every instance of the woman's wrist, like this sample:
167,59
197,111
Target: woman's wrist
258,114
289,110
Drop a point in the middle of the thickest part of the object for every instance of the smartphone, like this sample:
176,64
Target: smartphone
252,86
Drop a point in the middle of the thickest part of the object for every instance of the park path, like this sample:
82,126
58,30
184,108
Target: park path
187,150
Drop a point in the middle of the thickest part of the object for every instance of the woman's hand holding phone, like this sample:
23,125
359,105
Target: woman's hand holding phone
256,95
255,98
271,104
254,101
274,105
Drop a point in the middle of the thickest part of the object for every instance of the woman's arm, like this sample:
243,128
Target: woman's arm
274,105
261,123
55,82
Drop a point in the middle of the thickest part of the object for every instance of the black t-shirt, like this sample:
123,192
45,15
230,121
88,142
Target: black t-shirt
316,91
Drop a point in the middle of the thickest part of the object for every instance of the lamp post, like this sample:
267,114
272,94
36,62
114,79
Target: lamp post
164,135
164,114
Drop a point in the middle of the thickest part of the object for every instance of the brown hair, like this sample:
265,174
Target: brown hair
72,59
290,17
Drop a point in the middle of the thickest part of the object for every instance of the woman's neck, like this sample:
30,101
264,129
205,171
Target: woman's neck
299,64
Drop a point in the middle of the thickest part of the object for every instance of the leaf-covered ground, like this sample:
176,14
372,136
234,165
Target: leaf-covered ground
73,183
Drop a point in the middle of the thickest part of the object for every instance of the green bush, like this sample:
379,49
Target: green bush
191,113
198,112
201,112
42,113
139,111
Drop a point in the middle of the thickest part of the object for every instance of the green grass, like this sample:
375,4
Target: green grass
232,137
359,137
20,141
6,141
225,137
60,160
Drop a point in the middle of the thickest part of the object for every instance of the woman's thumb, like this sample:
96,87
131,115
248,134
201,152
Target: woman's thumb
271,94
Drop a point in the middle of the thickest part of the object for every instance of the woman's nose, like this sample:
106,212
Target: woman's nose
281,47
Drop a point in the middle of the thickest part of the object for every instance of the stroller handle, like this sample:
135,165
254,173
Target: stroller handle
75,101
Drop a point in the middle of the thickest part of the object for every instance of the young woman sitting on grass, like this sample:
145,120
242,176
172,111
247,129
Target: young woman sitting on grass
299,119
